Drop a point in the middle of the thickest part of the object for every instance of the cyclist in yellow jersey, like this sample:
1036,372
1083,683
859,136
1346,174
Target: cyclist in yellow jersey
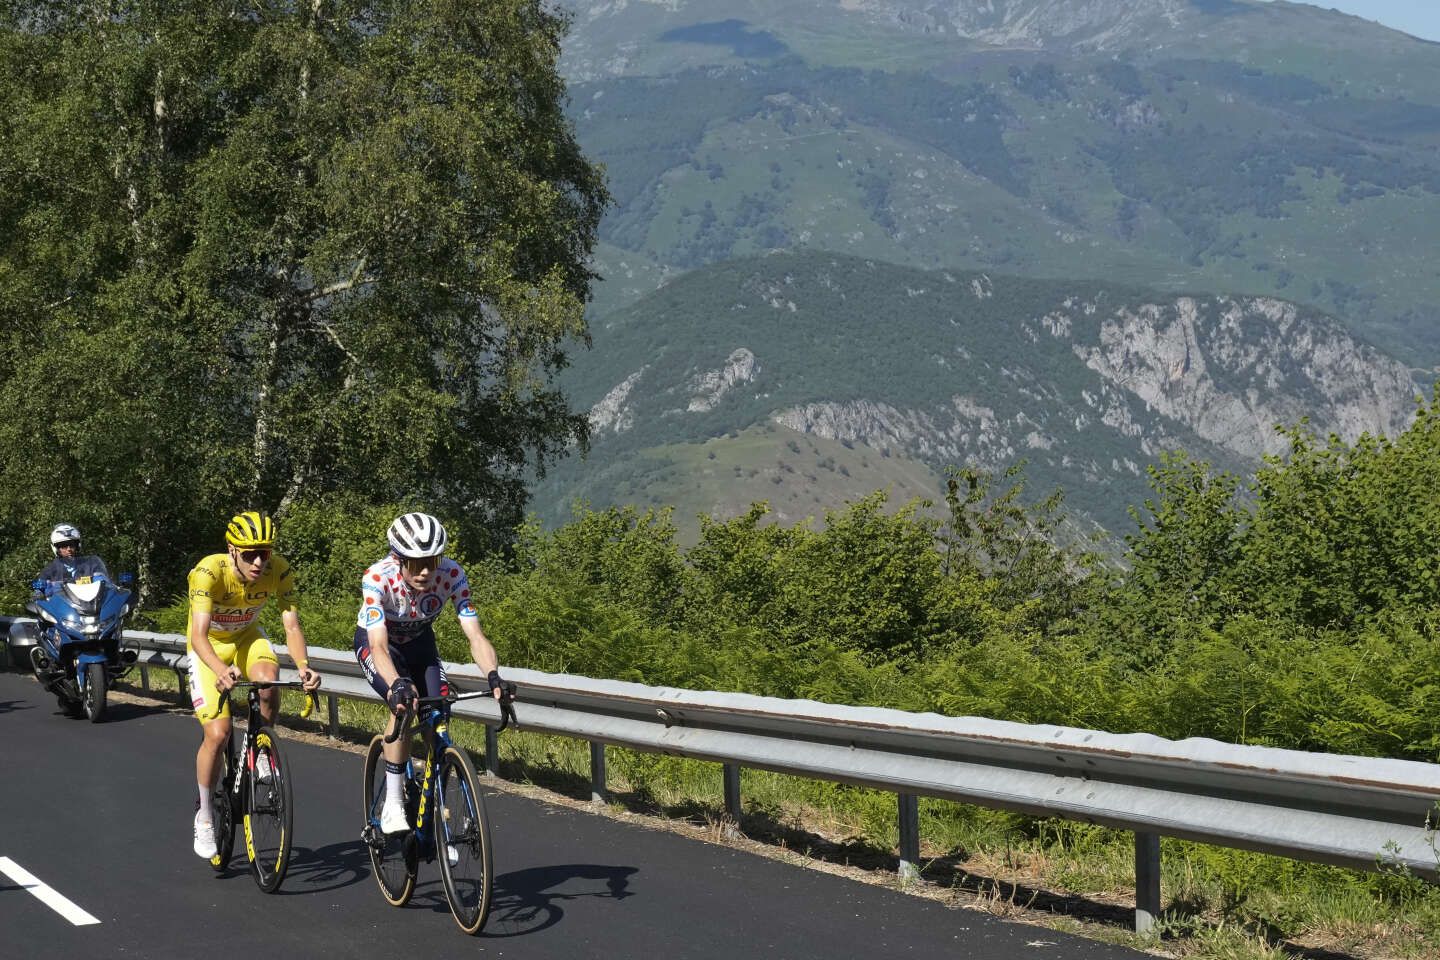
226,644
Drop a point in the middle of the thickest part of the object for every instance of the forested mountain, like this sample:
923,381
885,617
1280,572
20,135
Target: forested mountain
809,378
1222,146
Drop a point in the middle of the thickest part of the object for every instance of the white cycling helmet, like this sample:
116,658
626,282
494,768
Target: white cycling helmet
417,535
63,533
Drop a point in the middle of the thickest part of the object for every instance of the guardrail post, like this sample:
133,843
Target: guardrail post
1147,881
909,837
732,791
181,694
332,708
492,751
597,772
144,678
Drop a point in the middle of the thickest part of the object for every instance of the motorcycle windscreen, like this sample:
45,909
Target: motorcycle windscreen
85,595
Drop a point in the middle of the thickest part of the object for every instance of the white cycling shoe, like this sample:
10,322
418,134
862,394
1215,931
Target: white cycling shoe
204,838
392,817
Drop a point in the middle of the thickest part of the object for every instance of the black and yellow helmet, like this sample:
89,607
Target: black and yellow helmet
251,529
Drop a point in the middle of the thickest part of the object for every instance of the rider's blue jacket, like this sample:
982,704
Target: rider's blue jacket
61,570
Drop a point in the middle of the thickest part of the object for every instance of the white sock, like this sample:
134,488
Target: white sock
394,787
206,813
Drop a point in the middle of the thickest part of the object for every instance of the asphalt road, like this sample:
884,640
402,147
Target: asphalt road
100,814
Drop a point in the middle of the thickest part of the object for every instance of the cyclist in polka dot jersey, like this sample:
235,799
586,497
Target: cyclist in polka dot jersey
407,612
400,597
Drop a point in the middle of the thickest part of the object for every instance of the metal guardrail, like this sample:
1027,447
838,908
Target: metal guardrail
1357,812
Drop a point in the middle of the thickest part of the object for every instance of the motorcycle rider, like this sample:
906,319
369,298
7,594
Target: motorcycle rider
68,564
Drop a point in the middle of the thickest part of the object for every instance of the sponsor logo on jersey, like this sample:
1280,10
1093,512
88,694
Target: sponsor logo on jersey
430,605
373,616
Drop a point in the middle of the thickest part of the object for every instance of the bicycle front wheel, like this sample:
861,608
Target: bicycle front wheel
462,841
393,856
222,811
270,818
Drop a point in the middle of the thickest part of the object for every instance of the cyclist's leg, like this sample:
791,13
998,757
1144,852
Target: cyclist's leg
423,656
215,723
257,661
397,752
215,726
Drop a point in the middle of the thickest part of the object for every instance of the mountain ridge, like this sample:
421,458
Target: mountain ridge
1286,151
1087,381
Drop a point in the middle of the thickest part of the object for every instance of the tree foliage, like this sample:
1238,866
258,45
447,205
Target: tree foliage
256,251
1296,609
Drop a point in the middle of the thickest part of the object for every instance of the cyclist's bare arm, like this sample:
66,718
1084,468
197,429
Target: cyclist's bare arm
480,648
295,643
380,653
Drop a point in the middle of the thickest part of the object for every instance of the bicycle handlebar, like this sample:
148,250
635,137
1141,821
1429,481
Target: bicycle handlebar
311,699
507,707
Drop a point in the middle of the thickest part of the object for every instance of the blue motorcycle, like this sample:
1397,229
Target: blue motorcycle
77,655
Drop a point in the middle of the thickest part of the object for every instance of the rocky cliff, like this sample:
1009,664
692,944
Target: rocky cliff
1088,383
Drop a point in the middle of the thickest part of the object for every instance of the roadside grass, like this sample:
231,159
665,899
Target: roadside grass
1220,904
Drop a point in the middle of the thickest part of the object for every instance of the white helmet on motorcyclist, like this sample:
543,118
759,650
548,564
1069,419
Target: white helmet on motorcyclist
417,535
64,533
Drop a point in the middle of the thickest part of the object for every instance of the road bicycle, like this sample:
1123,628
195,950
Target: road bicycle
254,788
444,804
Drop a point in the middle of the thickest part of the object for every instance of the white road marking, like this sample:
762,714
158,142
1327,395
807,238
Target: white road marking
45,893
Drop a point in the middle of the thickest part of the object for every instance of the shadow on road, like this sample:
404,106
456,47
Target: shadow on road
315,870
527,901
115,712
121,712
7,706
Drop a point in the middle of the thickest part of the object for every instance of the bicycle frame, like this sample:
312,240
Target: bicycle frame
253,720
240,768
436,735
437,741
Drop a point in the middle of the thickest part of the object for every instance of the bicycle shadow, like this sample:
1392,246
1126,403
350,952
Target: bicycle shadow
7,706
331,867
523,901
528,901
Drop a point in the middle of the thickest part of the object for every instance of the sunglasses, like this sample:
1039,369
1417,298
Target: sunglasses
254,556
68,545
422,563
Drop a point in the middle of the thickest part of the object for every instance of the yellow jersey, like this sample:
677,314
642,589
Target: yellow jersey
232,603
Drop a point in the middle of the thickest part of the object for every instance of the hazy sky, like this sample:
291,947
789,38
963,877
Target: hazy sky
1419,18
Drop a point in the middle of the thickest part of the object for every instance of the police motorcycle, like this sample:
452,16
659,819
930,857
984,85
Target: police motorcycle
76,653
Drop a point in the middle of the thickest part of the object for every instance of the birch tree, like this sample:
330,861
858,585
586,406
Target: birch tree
274,250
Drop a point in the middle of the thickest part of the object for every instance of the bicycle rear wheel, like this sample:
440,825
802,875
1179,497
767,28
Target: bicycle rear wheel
462,841
222,813
270,817
392,856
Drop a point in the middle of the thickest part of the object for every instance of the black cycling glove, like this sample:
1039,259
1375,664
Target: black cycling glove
402,691
493,678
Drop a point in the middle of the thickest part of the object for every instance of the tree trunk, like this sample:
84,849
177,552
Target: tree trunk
269,372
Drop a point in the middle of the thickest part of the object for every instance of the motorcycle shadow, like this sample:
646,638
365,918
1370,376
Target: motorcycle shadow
114,712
